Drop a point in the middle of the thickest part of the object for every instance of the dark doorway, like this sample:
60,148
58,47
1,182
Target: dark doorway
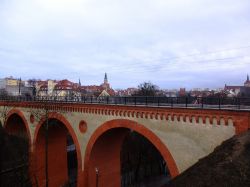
141,163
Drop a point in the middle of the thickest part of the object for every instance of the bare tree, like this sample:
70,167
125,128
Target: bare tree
3,93
4,110
4,106
14,154
147,89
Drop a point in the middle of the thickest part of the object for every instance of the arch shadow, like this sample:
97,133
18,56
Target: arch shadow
67,125
132,125
25,122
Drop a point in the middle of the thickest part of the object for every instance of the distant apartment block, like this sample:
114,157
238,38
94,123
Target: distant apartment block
15,87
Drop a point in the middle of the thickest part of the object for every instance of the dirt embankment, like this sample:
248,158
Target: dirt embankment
227,166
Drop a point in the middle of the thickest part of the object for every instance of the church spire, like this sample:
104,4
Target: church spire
105,78
247,77
79,82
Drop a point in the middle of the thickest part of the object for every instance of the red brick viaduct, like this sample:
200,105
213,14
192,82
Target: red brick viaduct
182,136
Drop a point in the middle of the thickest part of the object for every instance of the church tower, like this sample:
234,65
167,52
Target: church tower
79,84
105,85
105,79
247,83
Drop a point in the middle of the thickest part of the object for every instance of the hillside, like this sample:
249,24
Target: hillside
228,165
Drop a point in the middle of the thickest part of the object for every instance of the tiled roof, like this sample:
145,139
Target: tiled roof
233,87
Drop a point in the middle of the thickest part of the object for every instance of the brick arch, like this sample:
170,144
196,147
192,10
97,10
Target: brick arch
21,115
65,122
124,123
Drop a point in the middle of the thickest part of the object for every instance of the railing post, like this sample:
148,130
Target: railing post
172,104
239,103
91,99
125,100
158,101
135,100
202,102
186,101
107,100
146,101
219,103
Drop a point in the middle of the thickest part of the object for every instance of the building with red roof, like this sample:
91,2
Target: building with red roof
233,91
247,82
65,88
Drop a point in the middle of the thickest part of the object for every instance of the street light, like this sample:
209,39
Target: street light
47,147
19,86
96,175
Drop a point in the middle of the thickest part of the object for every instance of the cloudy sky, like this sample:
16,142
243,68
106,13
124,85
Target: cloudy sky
172,43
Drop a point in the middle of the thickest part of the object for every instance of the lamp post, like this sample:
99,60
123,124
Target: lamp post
19,86
46,147
97,176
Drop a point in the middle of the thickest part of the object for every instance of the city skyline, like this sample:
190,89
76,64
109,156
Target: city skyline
106,81
172,44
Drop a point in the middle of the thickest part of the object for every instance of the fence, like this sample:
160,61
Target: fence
231,103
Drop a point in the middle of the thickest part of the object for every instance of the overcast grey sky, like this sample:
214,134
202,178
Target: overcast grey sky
172,43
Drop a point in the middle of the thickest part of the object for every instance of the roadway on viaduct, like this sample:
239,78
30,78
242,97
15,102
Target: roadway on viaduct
182,136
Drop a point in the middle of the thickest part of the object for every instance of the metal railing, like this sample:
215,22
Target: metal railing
231,103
